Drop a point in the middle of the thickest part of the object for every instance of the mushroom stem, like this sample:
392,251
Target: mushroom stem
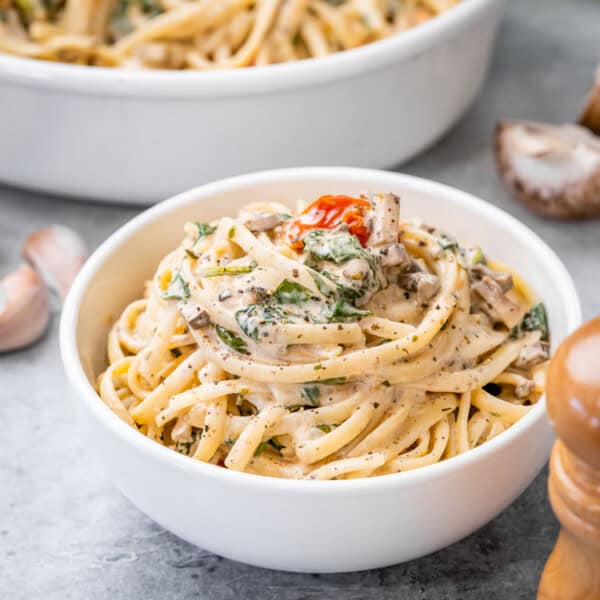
24,309
57,253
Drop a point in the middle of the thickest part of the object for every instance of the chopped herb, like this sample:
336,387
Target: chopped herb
231,271
231,232
275,444
203,230
476,256
229,442
447,243
185,447
311,394
324,428
495,414
260,448
190,253
178,289
331,381
284,216
232,340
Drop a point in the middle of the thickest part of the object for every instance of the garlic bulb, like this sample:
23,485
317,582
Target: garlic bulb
57,253
24,308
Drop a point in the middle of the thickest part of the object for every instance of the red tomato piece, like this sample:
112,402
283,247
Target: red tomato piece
327,212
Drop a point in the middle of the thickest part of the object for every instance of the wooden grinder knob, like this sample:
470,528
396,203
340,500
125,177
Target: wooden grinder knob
573,395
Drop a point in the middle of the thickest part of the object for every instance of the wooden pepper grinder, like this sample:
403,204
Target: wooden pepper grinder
573,392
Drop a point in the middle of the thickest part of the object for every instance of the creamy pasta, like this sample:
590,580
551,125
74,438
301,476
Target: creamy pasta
201,34
338,342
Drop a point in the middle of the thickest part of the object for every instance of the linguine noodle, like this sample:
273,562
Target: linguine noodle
339,342
201,34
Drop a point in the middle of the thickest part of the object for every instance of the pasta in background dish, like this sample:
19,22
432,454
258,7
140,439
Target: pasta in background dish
340,342
201,34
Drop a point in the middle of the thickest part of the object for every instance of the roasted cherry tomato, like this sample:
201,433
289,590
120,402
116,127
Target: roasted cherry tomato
328,212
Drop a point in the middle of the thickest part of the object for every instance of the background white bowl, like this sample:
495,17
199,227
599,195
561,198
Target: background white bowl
137,137
308,525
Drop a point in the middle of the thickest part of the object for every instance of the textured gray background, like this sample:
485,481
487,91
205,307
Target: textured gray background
66,533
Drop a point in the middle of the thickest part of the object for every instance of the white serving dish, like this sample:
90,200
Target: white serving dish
138,137
308,525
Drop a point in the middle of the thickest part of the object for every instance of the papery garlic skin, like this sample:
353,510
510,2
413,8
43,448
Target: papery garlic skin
24,308
57,253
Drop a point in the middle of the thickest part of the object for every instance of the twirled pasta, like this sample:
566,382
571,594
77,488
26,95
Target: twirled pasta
343,342
201,34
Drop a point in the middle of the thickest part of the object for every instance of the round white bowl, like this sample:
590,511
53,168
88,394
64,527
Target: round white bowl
137,137
308,525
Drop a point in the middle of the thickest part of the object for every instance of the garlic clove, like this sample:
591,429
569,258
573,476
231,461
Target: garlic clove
590,117
552,169
57,253
24,308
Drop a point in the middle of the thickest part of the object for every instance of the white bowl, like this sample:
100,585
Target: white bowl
137,137
308,525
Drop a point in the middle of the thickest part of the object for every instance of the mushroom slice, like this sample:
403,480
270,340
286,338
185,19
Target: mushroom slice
195,316
386,217
263,221
590,117
496,304
426,285
524,388
553,170
395,256
532,354
24,309
504,280
57,253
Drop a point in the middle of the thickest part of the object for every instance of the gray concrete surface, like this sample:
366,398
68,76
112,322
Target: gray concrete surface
66,533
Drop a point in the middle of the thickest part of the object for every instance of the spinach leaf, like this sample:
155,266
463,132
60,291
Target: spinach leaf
178,289
252,317
344,311
232,340
535,320
323,285
338,247
260,448
290,292
311,394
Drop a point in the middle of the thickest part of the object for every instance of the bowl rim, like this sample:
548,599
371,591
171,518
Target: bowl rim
153,451
163,83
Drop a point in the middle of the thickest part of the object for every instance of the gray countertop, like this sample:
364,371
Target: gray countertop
66,533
